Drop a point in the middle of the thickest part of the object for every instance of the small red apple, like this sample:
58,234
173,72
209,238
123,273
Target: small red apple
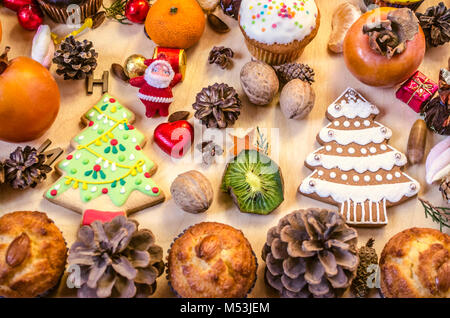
174,138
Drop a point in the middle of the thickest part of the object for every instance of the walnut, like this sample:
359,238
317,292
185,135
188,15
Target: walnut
192,192
259,82
297,99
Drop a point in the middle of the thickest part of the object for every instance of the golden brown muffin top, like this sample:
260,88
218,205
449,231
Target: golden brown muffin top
32,254
415,263
212,260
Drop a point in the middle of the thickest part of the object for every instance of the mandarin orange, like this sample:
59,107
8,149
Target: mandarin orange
175,23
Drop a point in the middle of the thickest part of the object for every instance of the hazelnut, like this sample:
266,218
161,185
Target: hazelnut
259,82
192,192
297,99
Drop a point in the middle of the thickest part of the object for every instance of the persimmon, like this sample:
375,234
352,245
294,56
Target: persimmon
29,99
175,23
373,68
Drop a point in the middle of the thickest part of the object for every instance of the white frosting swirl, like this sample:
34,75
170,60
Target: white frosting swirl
373,163
351,104
278,21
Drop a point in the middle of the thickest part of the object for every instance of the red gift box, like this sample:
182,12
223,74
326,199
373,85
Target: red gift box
417,91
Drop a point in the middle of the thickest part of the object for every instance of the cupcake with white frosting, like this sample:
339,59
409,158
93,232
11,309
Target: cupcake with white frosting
277,31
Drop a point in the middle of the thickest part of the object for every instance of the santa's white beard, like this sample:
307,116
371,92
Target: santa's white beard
157,81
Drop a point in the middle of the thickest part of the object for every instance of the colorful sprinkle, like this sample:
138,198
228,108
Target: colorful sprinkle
53,193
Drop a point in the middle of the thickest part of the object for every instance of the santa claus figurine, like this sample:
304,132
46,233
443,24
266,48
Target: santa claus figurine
156,86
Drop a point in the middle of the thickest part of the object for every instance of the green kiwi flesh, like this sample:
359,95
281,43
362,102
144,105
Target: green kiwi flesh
254,181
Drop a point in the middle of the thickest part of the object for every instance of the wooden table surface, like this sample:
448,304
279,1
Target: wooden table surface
115,42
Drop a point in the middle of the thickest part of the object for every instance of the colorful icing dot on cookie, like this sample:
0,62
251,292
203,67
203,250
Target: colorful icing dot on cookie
155,190
53,192
105,190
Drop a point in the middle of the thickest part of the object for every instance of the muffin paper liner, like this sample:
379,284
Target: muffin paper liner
271,57
167,266
60,14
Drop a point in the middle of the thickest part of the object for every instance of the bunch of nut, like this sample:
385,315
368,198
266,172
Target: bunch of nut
261,83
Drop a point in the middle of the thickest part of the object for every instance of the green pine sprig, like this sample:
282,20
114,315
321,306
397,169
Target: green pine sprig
439,215
261,142
116,11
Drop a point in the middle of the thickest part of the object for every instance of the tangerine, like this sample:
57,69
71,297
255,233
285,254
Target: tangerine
29,100
175,23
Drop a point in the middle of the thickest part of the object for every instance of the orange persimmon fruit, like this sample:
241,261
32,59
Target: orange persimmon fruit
374,69
175,23
29,100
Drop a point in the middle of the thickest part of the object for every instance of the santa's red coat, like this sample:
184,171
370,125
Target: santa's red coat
155,99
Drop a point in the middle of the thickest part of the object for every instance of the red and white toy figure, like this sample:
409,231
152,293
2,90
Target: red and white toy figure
156,86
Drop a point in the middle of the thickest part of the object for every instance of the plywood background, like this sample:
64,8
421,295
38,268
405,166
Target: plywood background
114,42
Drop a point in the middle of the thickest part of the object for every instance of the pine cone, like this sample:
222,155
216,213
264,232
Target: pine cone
445,188
209,150
25,168
231,7
217,106
311,253
75,60
116,260
221,56
289,71
367,256
435,23
437,116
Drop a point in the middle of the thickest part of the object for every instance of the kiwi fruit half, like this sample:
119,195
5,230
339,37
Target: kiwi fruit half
254,181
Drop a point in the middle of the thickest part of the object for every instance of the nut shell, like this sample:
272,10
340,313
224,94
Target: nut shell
297,99
259,82
192,192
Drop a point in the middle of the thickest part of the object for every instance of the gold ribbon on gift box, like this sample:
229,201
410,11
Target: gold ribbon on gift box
421,85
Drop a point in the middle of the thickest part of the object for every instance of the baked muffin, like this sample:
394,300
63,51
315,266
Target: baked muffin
277,31
32,254
211,260
411,4
59,10
415,263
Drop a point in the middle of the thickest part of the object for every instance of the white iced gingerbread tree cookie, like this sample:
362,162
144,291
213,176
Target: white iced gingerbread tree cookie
355,168
108,169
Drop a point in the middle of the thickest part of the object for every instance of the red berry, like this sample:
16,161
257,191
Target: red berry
30,16
136,10
53,192
97,168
